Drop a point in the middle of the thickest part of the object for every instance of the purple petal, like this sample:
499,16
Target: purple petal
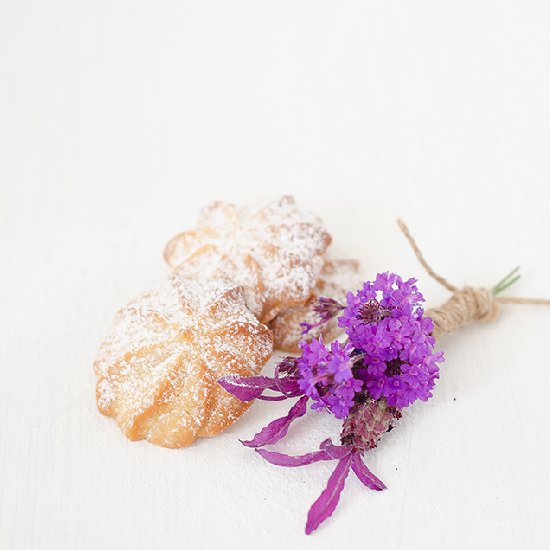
280,459
306,327
288,386
272,397
365,475
323,507
277,429
246,388
335,451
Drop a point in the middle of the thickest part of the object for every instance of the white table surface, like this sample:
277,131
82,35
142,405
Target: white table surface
118,120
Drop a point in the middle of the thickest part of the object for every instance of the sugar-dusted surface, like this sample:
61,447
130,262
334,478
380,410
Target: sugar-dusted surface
337,277
274,251
159,365
119,120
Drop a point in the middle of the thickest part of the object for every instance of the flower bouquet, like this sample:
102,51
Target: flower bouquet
386,363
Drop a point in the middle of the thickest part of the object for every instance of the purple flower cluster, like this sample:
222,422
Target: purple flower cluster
326,376
385,323
386,364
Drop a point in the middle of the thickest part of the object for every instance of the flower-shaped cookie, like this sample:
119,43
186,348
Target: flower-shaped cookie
158,368
274,252
337,277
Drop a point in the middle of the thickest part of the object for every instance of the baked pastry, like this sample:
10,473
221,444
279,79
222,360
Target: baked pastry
337,277
158,368
274,252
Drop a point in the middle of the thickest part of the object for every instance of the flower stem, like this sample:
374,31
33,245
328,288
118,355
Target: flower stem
507,281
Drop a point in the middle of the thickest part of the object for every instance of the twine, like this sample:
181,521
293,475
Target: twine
467,304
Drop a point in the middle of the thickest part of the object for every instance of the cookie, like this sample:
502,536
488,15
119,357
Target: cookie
274,252
337,277
159,366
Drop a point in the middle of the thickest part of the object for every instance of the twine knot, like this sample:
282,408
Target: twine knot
463,307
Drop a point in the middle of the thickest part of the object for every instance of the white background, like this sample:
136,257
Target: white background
119,119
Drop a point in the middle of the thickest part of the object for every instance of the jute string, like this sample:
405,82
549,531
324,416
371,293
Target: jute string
467,304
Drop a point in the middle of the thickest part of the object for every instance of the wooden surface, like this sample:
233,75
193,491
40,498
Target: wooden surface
118,120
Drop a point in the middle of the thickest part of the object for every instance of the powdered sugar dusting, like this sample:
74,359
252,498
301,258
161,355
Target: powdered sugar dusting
159,365
337,277
273,251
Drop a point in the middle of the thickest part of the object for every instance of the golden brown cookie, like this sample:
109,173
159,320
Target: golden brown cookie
274,252
158,367
336,279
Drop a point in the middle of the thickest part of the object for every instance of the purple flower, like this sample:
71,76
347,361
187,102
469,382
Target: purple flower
326,309
327,377
385,322
387,363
